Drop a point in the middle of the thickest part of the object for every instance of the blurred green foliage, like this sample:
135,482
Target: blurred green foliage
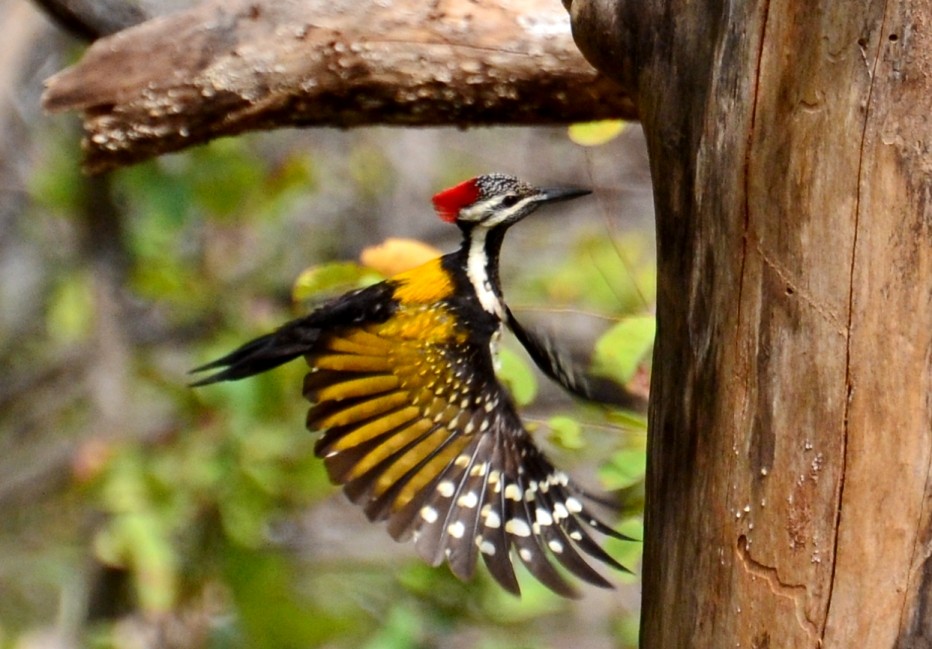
70,313
190,516
516,374
620,351
331,279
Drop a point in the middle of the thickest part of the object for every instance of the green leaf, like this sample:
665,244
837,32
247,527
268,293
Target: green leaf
402,630
627,553
273,612
139,541
566,432
630,421
625,468
336,277
153,559
516,374
619,351
536,600
628,631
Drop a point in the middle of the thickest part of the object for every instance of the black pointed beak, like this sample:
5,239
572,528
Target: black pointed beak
557,194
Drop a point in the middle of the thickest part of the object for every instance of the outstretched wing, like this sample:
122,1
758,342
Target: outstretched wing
420,433
575,379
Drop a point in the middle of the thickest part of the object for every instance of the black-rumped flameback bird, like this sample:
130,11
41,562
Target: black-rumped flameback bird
414,423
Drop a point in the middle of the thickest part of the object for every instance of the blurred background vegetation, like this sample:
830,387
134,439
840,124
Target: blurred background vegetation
136,512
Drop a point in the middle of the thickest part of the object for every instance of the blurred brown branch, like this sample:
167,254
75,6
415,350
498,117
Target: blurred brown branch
230,66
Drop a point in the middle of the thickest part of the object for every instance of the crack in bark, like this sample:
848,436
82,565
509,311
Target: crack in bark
827,314
747,159
916,567
849,389
797,593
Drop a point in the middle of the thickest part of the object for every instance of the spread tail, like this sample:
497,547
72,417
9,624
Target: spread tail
264,353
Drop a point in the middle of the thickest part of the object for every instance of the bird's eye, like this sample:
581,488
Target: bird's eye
510,201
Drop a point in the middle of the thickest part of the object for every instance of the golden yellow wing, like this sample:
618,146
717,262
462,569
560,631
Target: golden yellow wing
419,432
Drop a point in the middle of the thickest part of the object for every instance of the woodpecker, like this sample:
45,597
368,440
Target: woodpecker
414,423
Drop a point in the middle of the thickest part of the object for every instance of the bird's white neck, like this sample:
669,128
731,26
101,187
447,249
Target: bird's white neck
478,271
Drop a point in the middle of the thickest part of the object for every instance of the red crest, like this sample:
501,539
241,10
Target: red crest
449,202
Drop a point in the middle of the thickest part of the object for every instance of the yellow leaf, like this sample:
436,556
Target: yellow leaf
395,256
596,133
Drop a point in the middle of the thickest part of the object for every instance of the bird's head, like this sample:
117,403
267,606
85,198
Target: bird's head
494,200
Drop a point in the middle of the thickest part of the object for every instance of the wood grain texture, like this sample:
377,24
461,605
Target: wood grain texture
791,421
229,66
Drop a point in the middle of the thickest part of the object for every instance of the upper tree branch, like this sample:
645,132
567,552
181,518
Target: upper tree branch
230,66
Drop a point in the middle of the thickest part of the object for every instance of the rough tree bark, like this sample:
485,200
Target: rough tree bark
228,66
789,498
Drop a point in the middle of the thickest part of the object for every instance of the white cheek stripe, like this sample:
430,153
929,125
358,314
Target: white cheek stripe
491,207
478,272
506,214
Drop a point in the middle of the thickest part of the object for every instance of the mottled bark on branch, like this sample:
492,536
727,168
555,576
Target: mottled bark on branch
234,65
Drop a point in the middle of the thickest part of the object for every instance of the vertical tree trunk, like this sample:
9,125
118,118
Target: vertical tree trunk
789,500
